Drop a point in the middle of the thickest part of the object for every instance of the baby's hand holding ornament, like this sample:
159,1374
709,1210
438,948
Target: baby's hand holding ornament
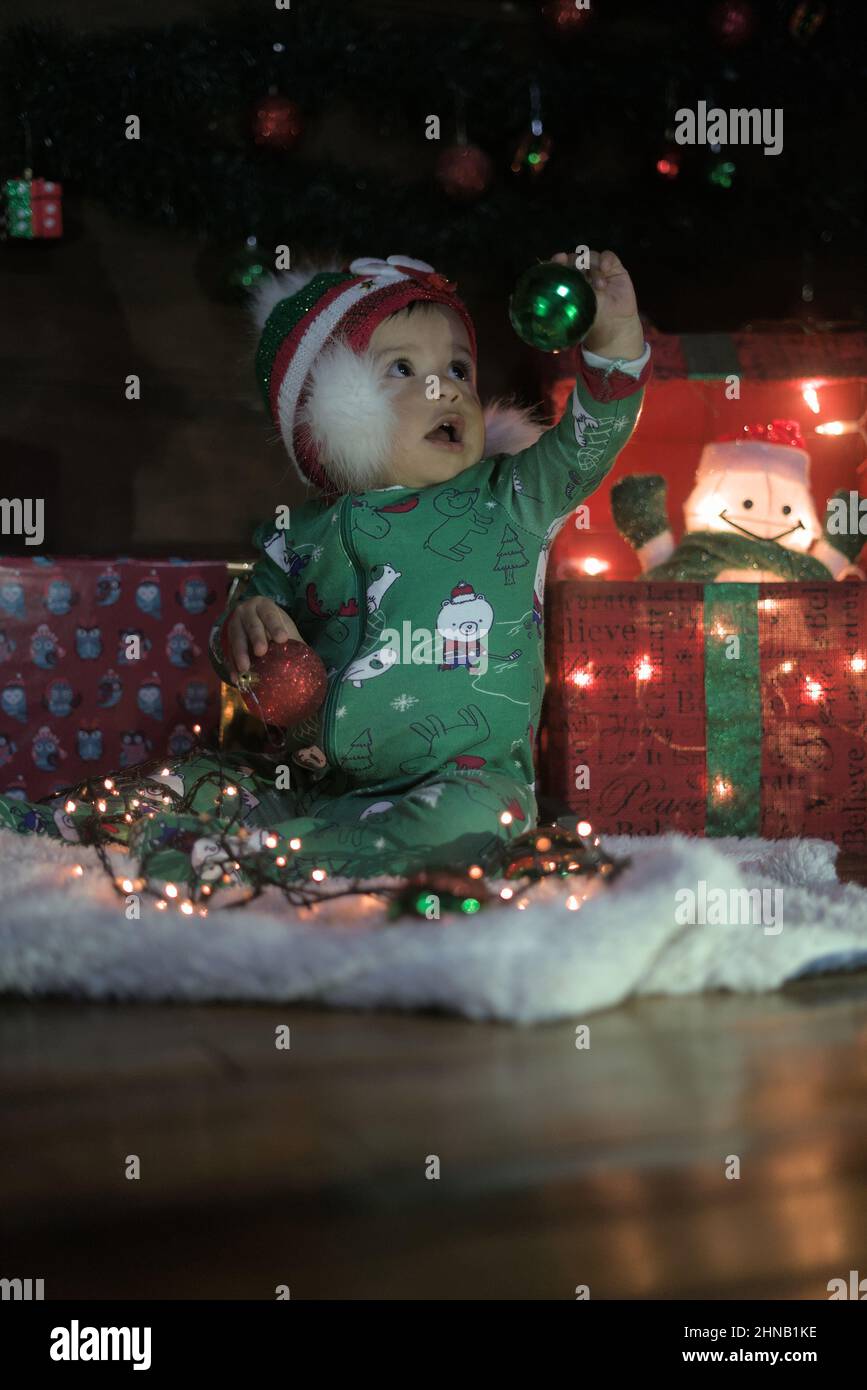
284,681
584,297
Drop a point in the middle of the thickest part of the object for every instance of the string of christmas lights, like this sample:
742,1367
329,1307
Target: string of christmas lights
108,813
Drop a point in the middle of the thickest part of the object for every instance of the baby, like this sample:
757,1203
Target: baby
418,571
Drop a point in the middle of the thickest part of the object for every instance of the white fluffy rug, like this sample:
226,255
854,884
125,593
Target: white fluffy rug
66,935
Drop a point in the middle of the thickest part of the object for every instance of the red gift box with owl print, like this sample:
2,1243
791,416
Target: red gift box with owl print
103,664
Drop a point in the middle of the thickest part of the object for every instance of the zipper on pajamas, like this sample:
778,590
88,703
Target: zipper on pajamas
331,698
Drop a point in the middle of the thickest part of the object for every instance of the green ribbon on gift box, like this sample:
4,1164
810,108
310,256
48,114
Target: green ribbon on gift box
733,709
19,211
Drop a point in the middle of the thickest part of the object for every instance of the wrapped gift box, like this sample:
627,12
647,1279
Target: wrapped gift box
34,208
717,709
72,703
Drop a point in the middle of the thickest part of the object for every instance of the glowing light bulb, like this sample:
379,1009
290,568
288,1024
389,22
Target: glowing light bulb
100,805
108,784
521,905
164,772
836,427
280,861
506,818
722,788
197,729
69,807
643,670
476,871
593,566
206,888
77,871
231,791
787,667
128,818
858,663
769,604
162,904
507,893
187,908
811,399
135,802
814,689
271,841
295,843
584,827
170,890
582,678
318,875
572,903
543,843
127,885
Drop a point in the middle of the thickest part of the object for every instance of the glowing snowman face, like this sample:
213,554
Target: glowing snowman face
762,502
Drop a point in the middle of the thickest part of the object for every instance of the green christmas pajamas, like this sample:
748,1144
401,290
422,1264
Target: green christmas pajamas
425,605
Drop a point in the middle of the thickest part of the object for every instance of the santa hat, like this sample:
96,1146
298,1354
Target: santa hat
462,592
777,445
319,379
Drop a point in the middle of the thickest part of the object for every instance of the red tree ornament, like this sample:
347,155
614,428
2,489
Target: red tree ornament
732,22
566,17
286,685
464,171
277,122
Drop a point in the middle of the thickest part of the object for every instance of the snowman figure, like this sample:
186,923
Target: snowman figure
749,518
464,620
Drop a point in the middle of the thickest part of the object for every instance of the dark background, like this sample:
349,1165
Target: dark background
141,280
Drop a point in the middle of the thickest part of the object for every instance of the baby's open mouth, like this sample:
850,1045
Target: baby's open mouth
448,433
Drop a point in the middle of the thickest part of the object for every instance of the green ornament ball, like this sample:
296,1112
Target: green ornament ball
552,307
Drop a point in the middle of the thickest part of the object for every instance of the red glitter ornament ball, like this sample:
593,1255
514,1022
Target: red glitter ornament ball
286,685
464,171
277,122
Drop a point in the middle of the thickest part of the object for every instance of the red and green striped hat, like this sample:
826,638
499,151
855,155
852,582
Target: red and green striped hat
301,314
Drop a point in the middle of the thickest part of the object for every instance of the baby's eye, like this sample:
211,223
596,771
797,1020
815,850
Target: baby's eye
400,362
786,510
464,368
747,503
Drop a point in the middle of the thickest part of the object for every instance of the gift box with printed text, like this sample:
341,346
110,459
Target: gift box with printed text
715,709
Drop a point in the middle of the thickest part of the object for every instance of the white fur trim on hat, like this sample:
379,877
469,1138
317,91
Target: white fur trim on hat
349,417
509,428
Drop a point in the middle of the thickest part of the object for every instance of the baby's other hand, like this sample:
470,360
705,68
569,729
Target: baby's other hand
253,622
617,330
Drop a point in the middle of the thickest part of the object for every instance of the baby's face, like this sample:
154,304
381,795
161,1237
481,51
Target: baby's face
409,348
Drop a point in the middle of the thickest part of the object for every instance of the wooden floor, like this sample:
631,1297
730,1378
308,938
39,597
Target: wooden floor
559,1167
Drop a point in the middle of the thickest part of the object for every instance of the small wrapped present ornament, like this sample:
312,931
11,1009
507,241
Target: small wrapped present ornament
33,208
